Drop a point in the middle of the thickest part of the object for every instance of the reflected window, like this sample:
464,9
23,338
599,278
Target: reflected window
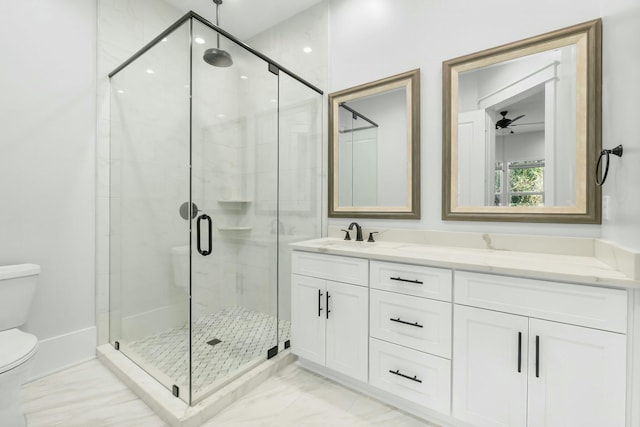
521,181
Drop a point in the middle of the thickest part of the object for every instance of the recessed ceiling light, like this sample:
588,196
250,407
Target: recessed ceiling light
221,116
120,91
150,71
164,39
307,49
199,40
243,77
274,100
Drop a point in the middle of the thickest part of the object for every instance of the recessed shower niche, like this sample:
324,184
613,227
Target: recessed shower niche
200,295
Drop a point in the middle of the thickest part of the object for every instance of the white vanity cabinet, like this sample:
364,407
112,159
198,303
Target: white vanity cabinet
517,361
464,348
329,312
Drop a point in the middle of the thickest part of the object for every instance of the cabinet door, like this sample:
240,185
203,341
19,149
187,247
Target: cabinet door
488,389
347,329
576,376
308,323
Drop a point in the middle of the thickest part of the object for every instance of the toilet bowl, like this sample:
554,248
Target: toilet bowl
17,348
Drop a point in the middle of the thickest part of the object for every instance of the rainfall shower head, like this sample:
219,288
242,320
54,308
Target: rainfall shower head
216,56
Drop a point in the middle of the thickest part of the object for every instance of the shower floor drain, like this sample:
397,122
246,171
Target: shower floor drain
214,341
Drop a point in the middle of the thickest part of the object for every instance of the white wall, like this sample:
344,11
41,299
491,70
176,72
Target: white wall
47,168
372,39
520,146
620,112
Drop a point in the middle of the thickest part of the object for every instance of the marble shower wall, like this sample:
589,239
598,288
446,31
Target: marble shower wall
302,142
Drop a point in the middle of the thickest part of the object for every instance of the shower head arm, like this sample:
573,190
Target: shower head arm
218,3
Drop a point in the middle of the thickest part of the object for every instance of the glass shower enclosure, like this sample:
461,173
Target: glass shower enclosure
213,171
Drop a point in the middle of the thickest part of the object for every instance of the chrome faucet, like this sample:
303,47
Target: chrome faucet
358,231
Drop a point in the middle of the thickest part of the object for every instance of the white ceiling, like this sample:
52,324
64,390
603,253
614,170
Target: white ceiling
245,18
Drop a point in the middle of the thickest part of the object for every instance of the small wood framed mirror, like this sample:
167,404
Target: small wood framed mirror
374,149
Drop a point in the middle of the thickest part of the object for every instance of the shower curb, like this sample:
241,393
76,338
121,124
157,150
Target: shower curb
174,411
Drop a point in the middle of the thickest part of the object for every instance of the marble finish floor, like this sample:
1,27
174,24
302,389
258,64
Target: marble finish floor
90,395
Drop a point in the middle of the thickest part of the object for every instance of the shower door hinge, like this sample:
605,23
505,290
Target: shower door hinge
272,352
175,390
116,344
287,344
273,68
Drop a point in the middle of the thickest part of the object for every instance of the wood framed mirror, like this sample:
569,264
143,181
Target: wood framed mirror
522,130
374,149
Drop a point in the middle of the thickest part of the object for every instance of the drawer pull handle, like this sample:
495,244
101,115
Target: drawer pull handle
400,279
397,372
416,324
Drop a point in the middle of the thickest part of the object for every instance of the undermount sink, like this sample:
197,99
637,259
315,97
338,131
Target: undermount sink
345,243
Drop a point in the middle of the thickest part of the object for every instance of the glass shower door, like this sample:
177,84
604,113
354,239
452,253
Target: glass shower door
235,234
149,180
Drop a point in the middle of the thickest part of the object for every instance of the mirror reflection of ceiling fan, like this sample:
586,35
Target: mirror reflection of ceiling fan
506,123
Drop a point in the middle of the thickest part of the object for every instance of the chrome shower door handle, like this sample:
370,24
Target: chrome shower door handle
204,252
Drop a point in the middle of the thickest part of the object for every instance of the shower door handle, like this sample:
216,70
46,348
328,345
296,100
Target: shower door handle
204,252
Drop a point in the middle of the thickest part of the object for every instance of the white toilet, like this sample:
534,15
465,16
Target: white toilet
17,348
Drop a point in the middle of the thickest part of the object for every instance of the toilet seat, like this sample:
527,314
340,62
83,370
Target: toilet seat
16,347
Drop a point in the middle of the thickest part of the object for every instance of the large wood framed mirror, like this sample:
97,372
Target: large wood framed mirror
522,130
374,149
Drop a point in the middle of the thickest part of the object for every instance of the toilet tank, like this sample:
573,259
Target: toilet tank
17,287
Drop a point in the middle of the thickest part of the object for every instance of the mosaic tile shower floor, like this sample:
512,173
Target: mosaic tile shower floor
244,335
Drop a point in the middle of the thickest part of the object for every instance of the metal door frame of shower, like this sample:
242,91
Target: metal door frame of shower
190,15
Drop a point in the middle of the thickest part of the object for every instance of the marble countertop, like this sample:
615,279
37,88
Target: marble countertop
569,268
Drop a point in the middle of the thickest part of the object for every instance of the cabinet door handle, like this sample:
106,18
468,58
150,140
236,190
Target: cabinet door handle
397,372
327,305
319,302
416,324
537,356
400,279
519,351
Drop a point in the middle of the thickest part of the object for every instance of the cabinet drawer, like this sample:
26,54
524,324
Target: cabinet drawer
420,323
331,267
600,308
410,374
408,279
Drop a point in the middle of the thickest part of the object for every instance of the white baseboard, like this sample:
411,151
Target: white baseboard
63,351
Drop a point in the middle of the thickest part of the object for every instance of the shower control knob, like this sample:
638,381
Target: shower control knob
184,210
